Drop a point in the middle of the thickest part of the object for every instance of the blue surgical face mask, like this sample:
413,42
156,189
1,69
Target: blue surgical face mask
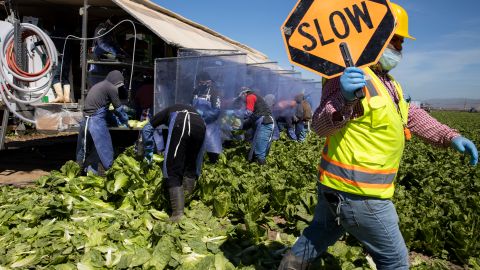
390,58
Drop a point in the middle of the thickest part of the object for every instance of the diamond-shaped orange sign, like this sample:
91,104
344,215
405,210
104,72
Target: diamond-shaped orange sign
315,29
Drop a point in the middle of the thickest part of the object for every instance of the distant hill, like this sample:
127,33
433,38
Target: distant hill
454,103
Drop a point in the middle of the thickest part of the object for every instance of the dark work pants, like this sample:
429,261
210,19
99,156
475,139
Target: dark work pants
189,146
86,152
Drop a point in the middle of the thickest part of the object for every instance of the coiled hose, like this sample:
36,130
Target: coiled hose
10,72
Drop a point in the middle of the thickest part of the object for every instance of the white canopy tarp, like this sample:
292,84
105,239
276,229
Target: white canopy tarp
181,32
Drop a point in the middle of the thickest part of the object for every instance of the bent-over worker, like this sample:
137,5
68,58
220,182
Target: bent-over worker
183,154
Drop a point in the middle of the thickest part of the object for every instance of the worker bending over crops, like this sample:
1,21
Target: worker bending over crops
183,154
258,117
94,143
284,114
365,141
303,114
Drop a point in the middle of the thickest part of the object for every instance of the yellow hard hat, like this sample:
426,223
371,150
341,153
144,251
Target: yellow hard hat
401,18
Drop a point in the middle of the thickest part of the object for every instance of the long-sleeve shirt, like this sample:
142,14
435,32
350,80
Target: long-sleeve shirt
258,108
104,93
334,112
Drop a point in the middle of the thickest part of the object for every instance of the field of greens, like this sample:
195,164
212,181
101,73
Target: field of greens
242,215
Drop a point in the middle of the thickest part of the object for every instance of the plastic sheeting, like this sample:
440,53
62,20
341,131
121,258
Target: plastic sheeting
164,93
52,117
258,79
226,71
313,92
288,86
264,78
176,78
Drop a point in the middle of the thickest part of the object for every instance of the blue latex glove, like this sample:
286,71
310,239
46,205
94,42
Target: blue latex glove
148,142
210,115
462,144
122,115
247,114
149,155
240,113
351,80
228,112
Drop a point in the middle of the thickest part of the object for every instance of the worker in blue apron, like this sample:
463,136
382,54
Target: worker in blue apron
183,155
94,144
206,101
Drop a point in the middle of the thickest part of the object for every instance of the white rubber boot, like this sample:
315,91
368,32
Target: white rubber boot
66,93
59,92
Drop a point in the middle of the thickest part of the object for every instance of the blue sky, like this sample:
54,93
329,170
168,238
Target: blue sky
444,61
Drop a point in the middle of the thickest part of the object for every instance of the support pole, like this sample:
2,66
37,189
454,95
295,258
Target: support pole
84,54
3,128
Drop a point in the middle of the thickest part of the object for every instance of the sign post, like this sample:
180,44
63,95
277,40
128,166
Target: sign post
349,63
326,36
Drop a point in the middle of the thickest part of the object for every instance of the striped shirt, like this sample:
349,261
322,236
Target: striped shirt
334,113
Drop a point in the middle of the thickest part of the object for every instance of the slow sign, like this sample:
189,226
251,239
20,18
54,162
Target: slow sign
315,29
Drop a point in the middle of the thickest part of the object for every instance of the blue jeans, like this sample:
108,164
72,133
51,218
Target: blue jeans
262,141
300,131
374,222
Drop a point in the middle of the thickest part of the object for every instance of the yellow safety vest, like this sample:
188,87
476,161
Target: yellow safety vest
363,157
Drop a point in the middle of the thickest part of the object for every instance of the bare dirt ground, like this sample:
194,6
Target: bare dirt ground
33,155
30,156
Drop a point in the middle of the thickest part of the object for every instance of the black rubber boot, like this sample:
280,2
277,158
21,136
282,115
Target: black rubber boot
101,170
212,157
189,185
261,161
292,262
177,201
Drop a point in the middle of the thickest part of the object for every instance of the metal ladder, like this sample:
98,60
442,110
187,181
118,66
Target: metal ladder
3,127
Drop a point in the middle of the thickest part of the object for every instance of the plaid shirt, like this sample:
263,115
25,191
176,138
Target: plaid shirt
334,113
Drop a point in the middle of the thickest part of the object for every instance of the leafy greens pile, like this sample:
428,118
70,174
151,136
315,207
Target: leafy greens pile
89,222
241,216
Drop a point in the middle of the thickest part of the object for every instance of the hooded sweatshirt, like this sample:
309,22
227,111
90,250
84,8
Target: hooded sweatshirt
299,107
104,93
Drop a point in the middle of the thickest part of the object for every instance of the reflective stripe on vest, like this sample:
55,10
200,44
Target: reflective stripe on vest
363,157
363,176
